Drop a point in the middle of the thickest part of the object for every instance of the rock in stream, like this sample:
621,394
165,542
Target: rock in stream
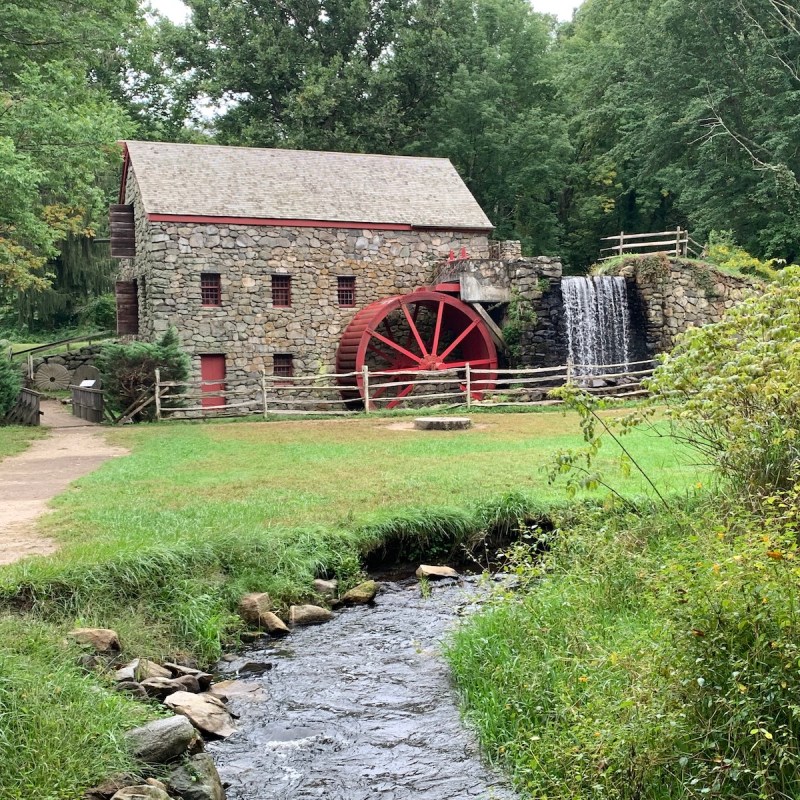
359,708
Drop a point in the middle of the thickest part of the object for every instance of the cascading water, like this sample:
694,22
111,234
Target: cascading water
598,323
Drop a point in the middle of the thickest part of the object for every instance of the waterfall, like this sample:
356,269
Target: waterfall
598,323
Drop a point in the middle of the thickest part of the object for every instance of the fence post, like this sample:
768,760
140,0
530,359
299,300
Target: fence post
365,375
569,370
469,386
30,366
264,391
621,241
678,248
158,394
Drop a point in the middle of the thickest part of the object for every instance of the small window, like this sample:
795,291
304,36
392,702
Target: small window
282,290
346,290
283,365
210,289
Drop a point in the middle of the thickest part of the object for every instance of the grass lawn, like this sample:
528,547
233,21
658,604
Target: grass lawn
15,438
184,478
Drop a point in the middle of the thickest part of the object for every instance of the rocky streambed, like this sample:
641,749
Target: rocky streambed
360,707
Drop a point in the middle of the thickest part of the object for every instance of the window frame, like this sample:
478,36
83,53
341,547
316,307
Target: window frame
275,278
340,290
286,360
215,286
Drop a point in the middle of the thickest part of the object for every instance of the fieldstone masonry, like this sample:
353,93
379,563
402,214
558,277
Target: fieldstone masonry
669,295
246,327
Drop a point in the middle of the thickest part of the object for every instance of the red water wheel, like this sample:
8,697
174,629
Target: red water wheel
401,335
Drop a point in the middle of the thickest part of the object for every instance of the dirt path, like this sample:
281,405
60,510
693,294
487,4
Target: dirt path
28,481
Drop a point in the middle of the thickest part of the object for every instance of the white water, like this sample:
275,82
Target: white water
598,323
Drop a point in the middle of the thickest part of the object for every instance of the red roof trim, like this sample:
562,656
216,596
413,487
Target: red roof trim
278,223
303,223
126,162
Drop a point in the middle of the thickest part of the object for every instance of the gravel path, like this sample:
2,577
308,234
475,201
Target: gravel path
28,481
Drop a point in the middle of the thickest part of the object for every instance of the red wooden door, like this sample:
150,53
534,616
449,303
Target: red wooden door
212,374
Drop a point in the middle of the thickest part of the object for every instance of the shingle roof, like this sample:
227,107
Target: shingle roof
215,181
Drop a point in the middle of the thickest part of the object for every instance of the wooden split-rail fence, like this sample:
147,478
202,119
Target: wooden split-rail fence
464,387
676,243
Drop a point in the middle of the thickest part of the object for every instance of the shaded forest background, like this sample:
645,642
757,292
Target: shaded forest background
638,115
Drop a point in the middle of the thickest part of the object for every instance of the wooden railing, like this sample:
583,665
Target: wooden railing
676,243
321,395
25,411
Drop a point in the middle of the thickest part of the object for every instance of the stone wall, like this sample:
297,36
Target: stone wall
71,359
246,327
669,295
523,285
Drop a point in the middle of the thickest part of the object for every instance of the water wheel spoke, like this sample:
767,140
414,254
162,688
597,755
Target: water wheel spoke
405,393
460,338
388,357
438,329
412,324
462,364
395,346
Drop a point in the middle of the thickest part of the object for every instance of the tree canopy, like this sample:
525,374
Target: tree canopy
635,116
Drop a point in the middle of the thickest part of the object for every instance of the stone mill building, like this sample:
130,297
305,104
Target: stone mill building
261,258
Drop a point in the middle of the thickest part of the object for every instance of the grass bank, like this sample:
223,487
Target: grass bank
650,656
160,544
15,438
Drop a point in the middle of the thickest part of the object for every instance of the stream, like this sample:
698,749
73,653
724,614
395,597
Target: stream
360,707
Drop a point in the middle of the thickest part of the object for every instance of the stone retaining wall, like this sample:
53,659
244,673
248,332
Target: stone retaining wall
669,295
72,359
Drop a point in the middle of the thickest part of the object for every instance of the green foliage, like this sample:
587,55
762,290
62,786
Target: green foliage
49,706
128,370
723,252
520,318
10,385
645,656
734,388
100,313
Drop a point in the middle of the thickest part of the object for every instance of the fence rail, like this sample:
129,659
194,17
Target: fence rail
25,411
676,243
371,390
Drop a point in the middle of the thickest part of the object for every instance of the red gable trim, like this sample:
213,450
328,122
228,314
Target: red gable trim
297,223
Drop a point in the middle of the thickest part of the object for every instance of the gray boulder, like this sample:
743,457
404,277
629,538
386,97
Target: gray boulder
142,792
196,779
360,595
309,615
162,740
206,712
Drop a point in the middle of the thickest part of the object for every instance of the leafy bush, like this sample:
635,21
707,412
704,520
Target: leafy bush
99,313
724,252
10,385
734,388
128,370
648,657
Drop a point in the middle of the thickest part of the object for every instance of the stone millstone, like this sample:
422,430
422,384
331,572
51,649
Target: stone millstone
428,571
161,740
442,423
205,712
